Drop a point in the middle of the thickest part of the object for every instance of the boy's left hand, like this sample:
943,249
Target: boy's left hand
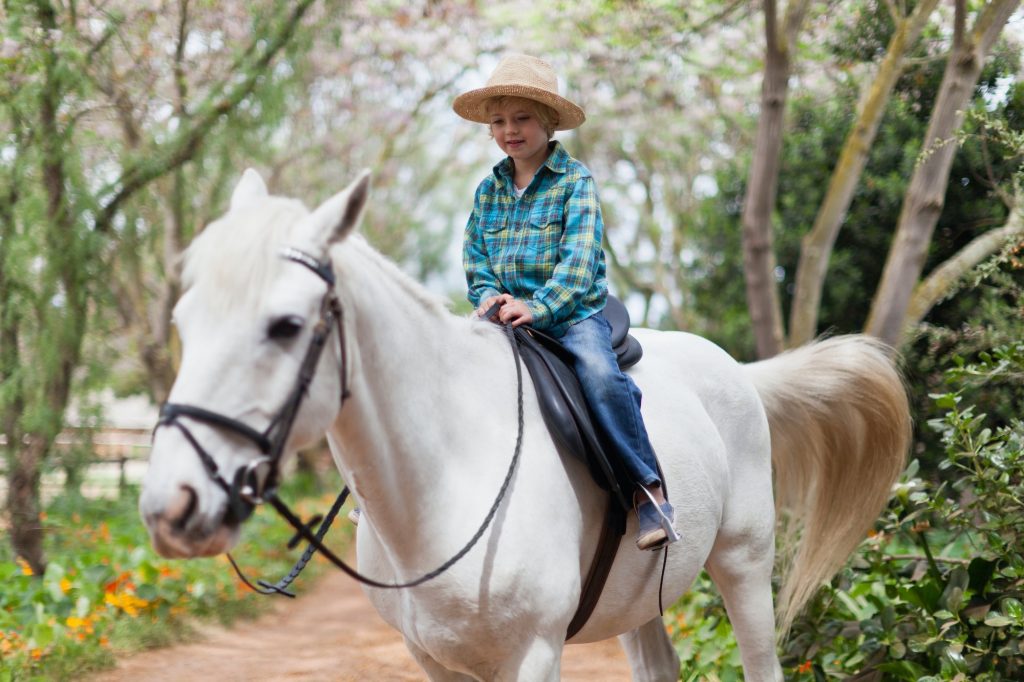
516,312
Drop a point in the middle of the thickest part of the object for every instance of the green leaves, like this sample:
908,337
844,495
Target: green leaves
105,588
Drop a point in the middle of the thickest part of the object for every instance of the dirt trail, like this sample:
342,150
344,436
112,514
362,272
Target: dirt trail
331,633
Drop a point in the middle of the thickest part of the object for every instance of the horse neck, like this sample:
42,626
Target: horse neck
413,431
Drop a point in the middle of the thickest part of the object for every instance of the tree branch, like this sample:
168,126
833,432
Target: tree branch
940,282
184,145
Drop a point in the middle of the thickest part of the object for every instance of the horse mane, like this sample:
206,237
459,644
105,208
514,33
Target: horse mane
236,257
234,260
363,253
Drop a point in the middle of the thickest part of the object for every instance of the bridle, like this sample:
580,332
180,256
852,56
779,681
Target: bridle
256,483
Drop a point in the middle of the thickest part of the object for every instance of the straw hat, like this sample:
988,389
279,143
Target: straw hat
519,75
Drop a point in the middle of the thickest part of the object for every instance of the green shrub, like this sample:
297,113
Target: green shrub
106,591
936,593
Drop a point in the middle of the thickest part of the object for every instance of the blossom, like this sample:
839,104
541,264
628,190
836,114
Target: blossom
127,602
805,667
25,568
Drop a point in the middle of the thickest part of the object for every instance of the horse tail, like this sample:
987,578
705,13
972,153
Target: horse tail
840,429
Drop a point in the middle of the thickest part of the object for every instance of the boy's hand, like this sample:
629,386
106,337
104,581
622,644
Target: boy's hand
516,312
486,304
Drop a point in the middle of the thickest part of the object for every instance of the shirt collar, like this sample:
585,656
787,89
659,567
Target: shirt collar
557,161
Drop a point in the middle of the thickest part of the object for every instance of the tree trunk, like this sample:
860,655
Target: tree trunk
762,185
926,194
816,247
23,503
938,284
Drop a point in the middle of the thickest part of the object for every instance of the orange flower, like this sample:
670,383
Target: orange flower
121,581
65,585
104,641
25,568
805,667
128,603
170,572
36,654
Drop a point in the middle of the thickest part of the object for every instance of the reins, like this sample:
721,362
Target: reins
315,540
257,482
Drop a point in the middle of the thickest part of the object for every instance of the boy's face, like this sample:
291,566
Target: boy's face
518,132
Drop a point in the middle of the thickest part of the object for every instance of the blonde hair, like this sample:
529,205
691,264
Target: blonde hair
546,116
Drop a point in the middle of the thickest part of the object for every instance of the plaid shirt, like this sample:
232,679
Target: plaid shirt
543,248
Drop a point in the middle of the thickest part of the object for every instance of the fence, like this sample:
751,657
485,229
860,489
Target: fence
116,458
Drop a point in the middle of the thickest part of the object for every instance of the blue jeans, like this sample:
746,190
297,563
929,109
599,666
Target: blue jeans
612,396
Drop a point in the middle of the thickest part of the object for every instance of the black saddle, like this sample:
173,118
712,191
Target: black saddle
563,405
568,419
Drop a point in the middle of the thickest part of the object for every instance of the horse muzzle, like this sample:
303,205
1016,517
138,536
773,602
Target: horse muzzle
178,530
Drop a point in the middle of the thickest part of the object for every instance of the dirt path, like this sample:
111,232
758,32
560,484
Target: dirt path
331,633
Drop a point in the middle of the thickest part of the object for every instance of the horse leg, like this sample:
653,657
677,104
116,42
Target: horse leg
541,660
652,658
435,671
743,573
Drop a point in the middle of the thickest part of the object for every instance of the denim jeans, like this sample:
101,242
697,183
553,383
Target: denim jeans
613,397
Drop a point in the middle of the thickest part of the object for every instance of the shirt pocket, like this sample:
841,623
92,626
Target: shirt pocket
494,228
542,237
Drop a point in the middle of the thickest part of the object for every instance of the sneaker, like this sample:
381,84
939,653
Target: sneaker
656,526
354,515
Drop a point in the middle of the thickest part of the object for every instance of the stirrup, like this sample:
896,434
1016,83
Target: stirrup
660,535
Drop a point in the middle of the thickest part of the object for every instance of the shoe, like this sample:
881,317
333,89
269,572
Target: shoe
354,515
656,526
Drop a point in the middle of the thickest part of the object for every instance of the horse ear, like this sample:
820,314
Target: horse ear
337,217
250,187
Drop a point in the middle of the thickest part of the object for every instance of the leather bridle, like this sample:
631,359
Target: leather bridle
257,481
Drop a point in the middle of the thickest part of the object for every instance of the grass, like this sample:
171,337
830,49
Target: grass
106,593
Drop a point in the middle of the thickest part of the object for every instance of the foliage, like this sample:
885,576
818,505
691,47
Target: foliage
106,592
937,591
702,635
816,134
66,179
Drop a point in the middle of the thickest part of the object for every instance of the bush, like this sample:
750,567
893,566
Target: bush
936,592
106,591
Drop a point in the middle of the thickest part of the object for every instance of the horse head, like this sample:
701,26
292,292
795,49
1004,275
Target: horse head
262,368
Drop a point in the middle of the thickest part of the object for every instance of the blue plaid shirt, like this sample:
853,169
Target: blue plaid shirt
543,248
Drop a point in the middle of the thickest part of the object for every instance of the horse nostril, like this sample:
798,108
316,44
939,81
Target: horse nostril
181,508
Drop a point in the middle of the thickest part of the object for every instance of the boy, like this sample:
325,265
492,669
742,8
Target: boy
533,244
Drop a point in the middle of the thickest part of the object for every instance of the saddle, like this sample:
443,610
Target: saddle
567,417
561,399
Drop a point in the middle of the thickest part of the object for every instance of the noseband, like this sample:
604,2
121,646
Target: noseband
256,482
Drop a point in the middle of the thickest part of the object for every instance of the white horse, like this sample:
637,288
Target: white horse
428,432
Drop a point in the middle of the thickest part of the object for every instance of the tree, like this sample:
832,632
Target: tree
924,198
363,90
818,242
922,203
758,254
66,212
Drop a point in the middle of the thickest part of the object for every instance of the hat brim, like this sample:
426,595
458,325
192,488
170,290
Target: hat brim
470,105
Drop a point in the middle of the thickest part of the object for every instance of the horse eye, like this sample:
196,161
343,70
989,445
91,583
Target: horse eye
286,327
